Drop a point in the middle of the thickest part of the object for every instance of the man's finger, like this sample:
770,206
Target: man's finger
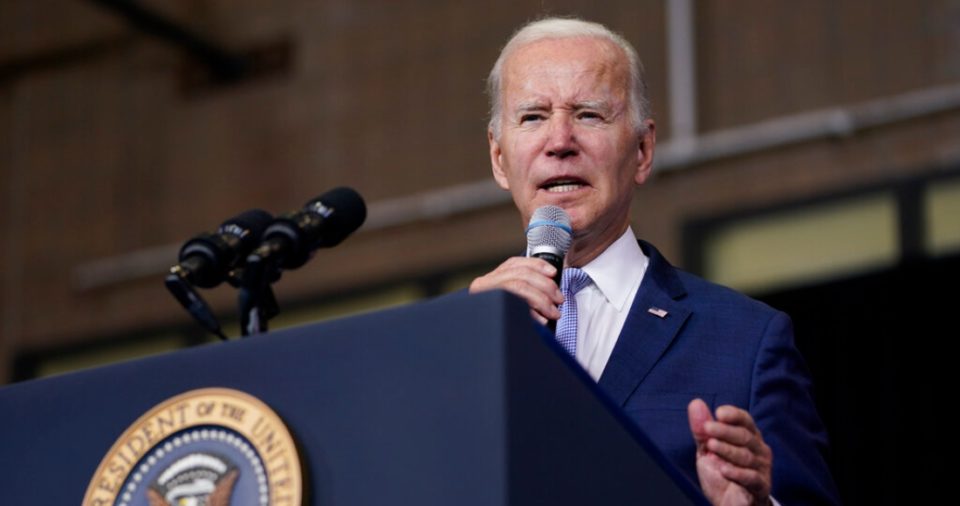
751,479
535,297
740,456
735,435
733,415
533,270
539,318
528,278
698,414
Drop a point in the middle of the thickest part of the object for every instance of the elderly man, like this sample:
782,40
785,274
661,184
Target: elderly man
712,376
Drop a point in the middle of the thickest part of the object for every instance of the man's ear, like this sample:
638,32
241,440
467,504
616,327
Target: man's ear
647,141
496,161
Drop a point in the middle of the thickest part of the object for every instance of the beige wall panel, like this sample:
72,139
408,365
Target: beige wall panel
805,246
942,212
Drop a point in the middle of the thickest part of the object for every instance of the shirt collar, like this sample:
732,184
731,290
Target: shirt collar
619,269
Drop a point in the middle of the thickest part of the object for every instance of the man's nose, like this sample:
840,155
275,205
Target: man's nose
562,142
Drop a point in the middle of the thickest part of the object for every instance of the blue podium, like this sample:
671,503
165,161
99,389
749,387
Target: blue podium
460,400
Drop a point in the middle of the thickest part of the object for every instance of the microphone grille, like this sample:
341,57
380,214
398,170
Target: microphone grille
252,222
549,231
345,210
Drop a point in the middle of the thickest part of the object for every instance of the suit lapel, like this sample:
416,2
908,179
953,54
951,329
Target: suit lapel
646,335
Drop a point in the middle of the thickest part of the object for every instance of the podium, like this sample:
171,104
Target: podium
460,400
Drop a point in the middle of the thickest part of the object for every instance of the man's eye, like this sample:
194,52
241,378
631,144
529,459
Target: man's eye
526,118
590,115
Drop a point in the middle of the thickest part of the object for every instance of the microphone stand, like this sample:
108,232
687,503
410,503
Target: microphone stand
256,301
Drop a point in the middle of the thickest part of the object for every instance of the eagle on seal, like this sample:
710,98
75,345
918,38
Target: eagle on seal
197,479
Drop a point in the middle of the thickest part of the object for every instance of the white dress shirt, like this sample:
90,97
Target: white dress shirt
603,305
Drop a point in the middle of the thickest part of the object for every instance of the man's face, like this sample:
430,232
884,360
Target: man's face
567,138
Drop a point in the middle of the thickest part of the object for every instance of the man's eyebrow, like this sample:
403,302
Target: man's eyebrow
537,105
593,104
540,105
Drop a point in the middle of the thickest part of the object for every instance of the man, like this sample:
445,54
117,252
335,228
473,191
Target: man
570,127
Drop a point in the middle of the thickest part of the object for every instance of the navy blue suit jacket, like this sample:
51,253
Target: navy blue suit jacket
725,348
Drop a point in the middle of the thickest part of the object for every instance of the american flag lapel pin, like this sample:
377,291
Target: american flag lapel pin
660,313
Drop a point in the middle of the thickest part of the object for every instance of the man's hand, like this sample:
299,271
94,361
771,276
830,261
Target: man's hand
733,462
530,279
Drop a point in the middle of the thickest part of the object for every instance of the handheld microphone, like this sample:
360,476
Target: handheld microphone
322,223
207,259
549,235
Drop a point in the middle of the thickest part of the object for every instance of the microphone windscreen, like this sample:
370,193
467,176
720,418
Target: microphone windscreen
549,231
208,258
344,211
255,221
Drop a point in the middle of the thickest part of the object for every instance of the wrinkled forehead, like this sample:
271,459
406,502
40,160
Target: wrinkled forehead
566,69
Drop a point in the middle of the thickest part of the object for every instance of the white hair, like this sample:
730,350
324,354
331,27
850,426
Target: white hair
568,28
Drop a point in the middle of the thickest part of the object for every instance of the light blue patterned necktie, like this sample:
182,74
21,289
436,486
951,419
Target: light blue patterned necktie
573,281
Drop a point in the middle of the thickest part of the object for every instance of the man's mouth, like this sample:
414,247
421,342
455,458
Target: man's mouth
561,185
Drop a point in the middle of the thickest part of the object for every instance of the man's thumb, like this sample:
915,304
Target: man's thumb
698,413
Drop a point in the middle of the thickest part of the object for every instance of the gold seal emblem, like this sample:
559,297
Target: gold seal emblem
212,446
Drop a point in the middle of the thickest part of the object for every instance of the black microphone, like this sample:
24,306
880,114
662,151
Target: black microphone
322,223
549,235
207,259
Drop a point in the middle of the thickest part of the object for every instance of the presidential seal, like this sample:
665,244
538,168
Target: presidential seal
207,447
